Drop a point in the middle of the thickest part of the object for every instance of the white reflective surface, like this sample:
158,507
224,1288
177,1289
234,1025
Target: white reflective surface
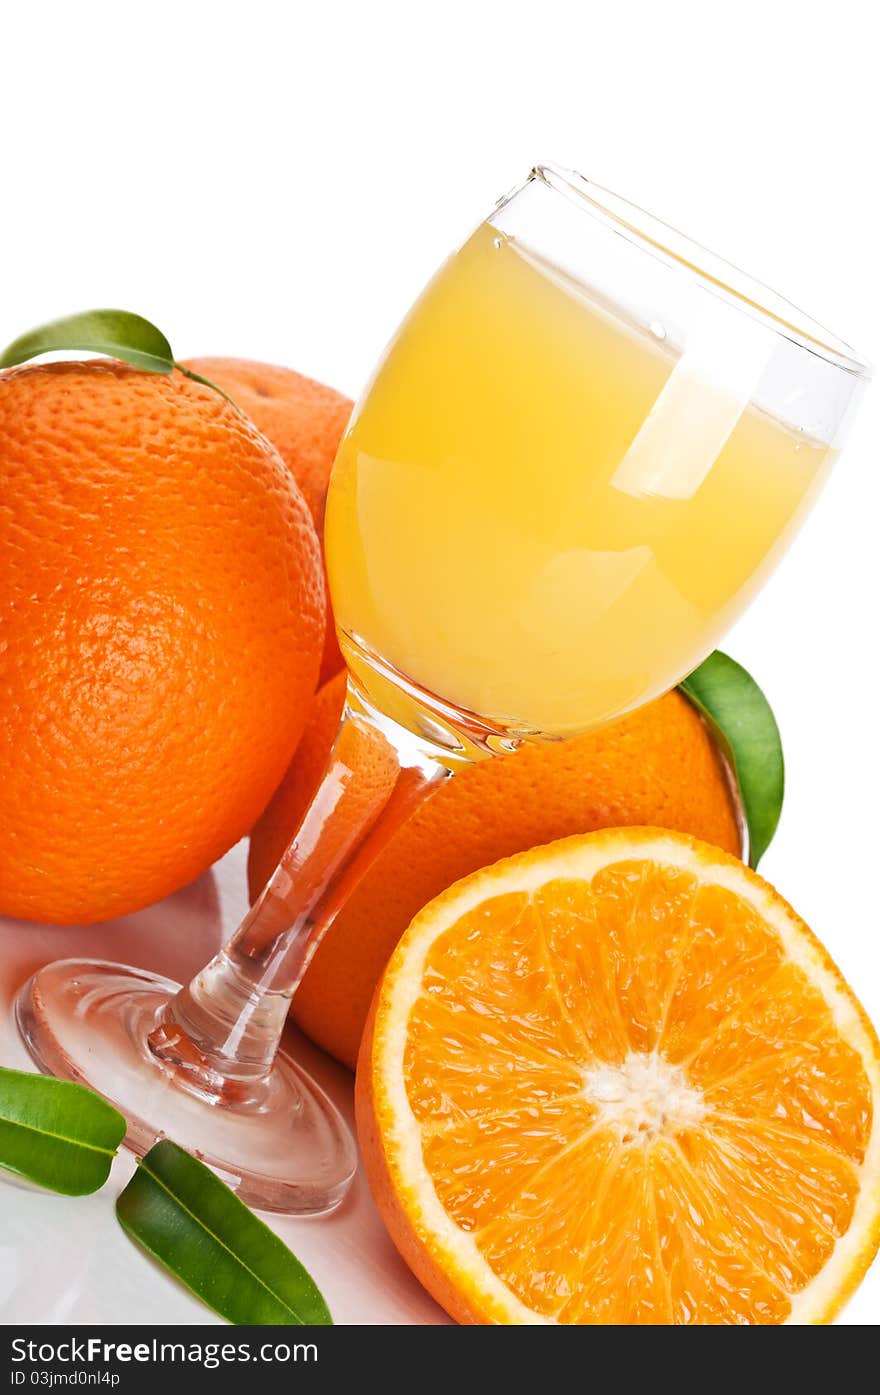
67,1260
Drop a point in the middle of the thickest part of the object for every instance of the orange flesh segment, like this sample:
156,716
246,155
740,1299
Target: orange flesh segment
716,1207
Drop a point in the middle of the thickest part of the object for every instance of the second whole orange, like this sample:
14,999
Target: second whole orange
658,765
161,629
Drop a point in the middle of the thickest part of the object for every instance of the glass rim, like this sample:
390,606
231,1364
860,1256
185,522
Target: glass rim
720,277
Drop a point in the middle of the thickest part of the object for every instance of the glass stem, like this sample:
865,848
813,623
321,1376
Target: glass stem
220,1033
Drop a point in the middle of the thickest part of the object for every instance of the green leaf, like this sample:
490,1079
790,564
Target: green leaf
730,698
193,1224
117,333
56,1133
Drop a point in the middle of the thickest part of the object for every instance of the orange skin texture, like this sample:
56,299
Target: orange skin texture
161,628
304,420
656,766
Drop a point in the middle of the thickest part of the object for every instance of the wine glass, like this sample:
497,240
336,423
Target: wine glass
582,453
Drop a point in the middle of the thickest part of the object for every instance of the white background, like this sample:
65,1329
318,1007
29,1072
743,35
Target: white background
278,180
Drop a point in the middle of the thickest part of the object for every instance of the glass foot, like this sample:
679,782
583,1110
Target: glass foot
281,1147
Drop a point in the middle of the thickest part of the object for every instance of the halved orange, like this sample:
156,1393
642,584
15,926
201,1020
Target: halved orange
618,1080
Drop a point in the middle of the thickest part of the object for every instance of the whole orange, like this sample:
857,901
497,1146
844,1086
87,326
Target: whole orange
161,626
658,766
304,420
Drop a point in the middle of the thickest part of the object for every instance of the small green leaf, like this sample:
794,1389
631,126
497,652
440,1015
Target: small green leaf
117,333
730,698
56,1133
193,1224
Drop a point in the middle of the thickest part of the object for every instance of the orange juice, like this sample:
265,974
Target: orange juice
547,514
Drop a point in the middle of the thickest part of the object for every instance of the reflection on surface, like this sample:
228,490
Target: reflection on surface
66,1259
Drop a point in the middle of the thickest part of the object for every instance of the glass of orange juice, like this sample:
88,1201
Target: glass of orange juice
578,459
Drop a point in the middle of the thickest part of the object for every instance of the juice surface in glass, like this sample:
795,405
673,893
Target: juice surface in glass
544,513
